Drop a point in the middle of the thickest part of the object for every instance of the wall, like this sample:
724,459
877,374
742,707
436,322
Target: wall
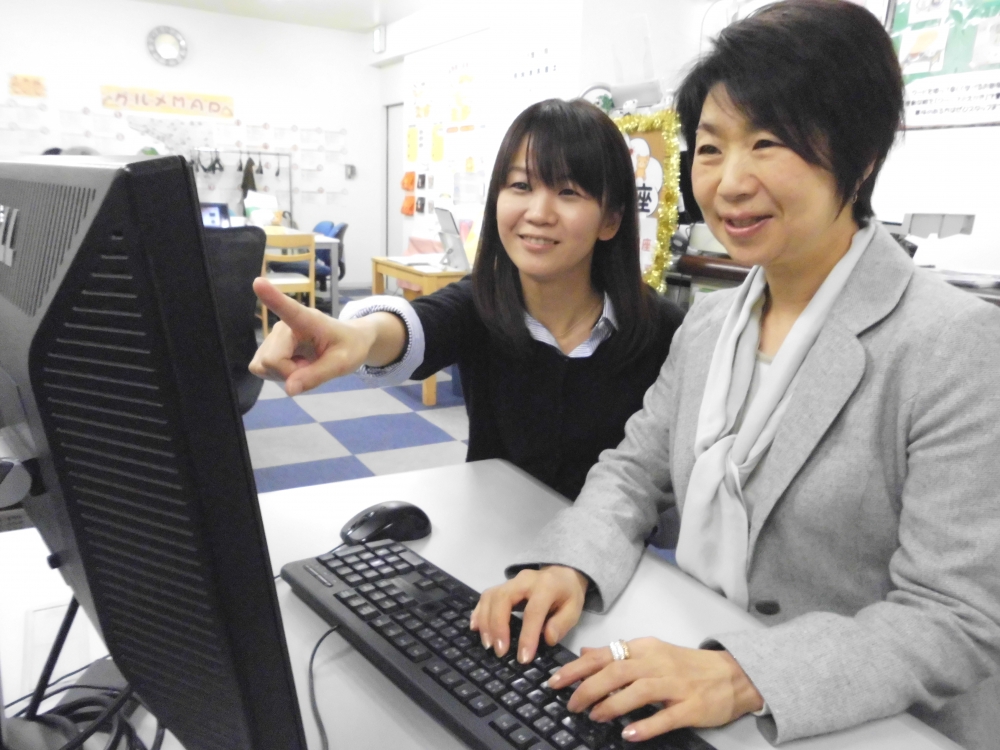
935,171
278,73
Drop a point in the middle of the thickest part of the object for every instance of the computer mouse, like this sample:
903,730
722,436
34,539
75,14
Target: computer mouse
394,519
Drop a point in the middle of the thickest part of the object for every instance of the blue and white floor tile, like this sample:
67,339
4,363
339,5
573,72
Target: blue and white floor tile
345,430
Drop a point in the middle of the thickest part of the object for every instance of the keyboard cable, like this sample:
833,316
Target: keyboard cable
312,690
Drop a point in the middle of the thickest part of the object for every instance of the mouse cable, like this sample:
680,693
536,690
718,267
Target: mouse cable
312,690
54,682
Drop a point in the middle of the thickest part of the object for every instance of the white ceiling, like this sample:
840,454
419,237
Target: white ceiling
347,15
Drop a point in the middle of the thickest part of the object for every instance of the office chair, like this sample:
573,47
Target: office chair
235,257
337,230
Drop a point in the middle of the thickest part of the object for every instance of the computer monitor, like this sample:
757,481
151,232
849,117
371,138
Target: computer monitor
215,215
451,240
113,373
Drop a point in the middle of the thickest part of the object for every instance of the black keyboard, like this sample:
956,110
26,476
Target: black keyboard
411,620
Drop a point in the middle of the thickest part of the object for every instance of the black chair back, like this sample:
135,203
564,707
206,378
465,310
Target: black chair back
235,257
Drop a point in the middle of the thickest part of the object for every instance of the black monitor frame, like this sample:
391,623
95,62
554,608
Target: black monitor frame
110,340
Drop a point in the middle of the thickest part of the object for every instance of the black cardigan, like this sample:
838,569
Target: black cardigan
542,411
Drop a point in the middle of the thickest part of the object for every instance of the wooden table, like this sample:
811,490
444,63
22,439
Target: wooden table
429,280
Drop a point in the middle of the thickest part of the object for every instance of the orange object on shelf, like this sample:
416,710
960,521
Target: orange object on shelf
408,181
409,205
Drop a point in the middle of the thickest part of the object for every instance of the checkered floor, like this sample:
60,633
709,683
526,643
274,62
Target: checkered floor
345,430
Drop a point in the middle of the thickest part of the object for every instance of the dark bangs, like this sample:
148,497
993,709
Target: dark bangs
571,142
821,75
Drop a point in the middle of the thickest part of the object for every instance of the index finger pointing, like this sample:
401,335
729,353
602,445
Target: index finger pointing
290,311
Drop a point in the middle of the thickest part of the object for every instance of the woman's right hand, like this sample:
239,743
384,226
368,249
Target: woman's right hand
307,348
555,597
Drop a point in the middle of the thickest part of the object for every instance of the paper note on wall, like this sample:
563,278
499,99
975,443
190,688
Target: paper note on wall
437,143
411,144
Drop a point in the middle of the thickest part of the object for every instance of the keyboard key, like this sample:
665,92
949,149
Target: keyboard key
504,723
355,601
353,579
402,567
374,596
391,631
449,585
343,570
350,560
465,691
522,686
452,654
462,641
482,706
438,644
480,676
366,555
534,675
405,600
389,587
404,641
377,562
388,605
347,551
544,726
538,697
495,688
381,622
397,548
449,632
412,624
564,657
367,612
547,746
384,553
466,665
563,739
391,558
528,712
366,588
461,623
418,652
326,558
360,567
522,738
437,623
426,634
449,615
370,575
511,699
345,594
490,661
435,667
450,678
505,674
379,545
425,584
555,710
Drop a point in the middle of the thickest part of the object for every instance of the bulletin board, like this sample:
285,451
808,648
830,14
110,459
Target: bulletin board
949,52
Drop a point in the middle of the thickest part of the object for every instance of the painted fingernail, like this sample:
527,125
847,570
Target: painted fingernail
500,650
523,656
487,643
553,681
628,733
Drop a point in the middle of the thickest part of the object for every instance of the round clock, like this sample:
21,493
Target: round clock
166,45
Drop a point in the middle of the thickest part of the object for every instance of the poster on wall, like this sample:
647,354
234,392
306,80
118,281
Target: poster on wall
949,52
653,143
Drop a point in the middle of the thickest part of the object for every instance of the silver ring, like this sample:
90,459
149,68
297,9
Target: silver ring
619,650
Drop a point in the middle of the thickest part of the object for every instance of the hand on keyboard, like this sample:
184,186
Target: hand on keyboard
554,597
700,688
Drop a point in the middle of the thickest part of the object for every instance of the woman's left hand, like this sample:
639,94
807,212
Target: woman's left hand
698,688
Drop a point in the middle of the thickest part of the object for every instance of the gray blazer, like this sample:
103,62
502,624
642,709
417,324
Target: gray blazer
874,518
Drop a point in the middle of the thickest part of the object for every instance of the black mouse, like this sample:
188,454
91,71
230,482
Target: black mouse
395,520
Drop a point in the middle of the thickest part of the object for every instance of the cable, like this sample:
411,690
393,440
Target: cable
312,690
54,682
111,710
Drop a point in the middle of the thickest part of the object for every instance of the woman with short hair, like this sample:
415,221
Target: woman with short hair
829,429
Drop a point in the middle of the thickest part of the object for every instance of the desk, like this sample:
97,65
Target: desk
429,282
481,513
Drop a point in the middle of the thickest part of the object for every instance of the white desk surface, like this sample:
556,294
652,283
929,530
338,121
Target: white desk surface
480,513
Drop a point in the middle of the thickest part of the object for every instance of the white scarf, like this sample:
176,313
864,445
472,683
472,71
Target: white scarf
715,531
